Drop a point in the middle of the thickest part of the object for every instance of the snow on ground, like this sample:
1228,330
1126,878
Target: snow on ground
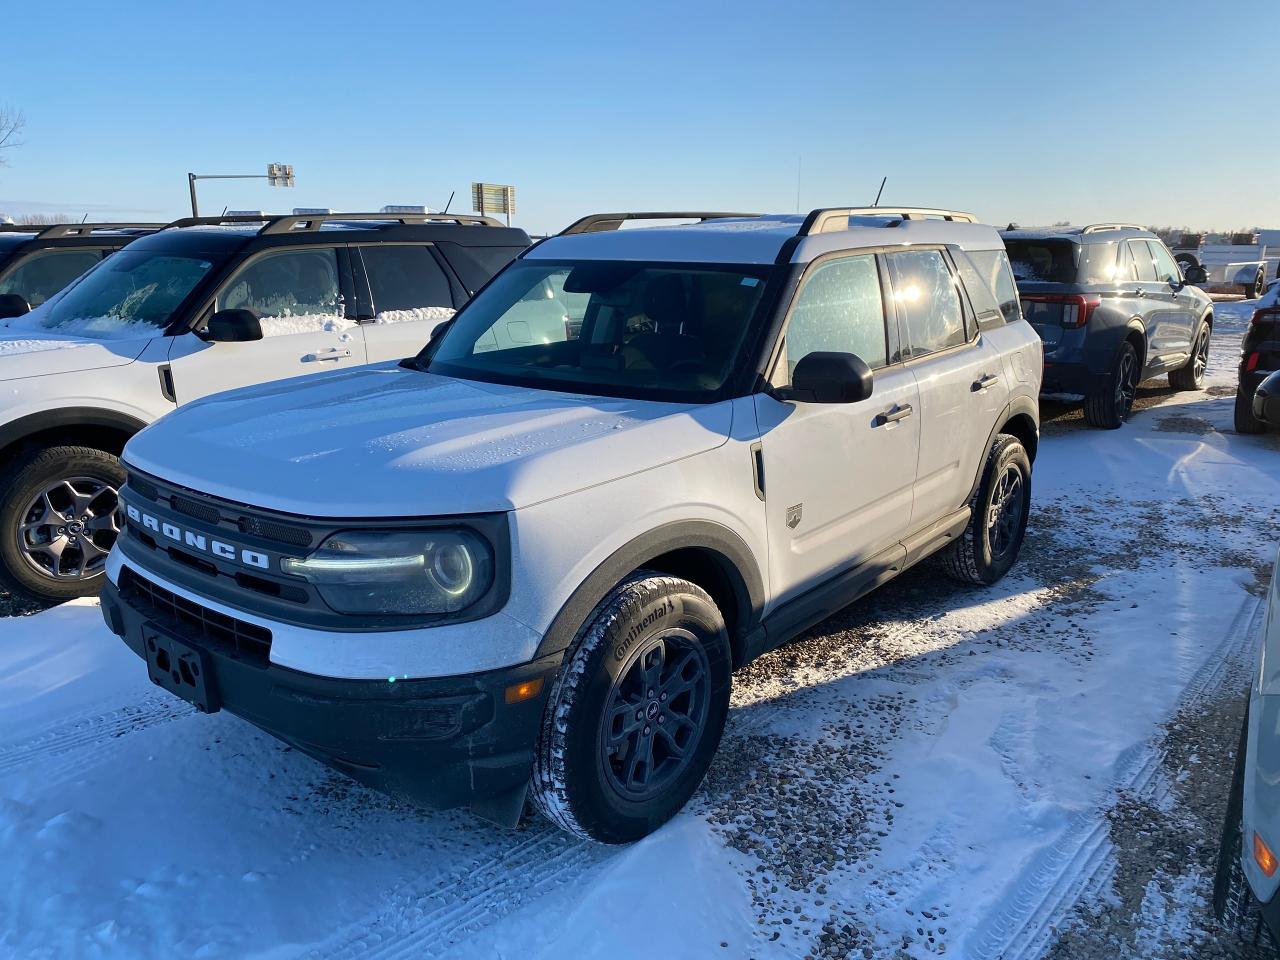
928,772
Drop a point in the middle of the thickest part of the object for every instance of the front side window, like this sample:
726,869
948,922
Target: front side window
406,283
133,293
1166,267
633,329
927,301
293,291
1144,267
40,276
839,308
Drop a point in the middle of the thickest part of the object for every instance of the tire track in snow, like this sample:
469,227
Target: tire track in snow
94,728
425,918
1080,862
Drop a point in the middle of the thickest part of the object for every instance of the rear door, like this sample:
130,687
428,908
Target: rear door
960,375
408,294
838,476
1153,307
301,296
1178,311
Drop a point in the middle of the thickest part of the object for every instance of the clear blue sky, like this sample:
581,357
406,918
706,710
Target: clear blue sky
1160,112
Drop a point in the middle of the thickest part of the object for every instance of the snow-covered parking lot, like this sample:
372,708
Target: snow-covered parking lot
935,770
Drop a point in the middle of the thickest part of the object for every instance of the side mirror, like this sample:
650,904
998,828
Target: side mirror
829,377
439,330
233,326
1266,401
13,305
1194,273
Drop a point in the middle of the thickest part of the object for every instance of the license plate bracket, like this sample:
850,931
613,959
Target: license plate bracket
182,669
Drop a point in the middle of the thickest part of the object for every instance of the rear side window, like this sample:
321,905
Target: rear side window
477,265
928,303
404,277
1144,267
840,308
996,290
41,275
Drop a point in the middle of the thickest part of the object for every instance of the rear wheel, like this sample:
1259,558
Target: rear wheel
1259,286
1108,404
1190,376
636,713
58,521
1246,422
998,516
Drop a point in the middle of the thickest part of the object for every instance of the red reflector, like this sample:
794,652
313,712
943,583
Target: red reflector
1266,313
1251,364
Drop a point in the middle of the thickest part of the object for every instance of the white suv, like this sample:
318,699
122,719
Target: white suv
201,306
533,556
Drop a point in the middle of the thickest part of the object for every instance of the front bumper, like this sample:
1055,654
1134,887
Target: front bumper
440,742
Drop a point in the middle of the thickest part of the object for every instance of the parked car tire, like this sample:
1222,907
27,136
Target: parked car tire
1259,286
998,516
1108,404
58,521
1246,422
1190,376
636,713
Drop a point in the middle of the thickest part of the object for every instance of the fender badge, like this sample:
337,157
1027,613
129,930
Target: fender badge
794,514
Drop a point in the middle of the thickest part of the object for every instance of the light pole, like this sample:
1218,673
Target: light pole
277,175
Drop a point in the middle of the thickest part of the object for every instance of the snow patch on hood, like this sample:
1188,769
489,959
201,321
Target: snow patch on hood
15,345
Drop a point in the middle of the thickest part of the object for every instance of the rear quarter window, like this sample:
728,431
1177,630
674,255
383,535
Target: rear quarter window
996,299
476,266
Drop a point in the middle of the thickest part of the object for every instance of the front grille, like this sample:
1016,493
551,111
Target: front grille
193,508
142,487
218,629
280,532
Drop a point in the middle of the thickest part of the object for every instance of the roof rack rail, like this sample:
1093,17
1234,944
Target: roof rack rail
277,223
602,222
827,219
1099,227
53,230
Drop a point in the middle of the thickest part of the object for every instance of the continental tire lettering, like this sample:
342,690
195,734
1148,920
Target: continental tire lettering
639,629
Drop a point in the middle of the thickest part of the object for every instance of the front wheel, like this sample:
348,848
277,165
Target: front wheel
1190,376
58,521
637,712
998,516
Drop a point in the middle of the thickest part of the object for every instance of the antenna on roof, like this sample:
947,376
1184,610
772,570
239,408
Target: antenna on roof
447,205
883,180
84,218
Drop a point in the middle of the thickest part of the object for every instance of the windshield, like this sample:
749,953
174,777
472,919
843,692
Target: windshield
131,294
644,330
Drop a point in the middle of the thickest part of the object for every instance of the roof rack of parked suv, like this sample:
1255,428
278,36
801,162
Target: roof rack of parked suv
288,223
1098,227
601,222
50,231
828,219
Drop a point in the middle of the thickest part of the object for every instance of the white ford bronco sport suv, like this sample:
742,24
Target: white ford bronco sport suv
201,306
529,560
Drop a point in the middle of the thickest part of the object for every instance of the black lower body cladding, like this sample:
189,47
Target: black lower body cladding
438,743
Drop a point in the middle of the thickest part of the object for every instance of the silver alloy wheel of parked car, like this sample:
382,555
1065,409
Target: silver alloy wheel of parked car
69,528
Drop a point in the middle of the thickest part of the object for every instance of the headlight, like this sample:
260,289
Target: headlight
399,572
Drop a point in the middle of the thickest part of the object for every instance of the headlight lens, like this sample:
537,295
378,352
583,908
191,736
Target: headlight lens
435,571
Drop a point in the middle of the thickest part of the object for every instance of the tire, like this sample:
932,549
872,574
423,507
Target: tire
1259,286
1108,405
586,779
998,516
1190,376
80,482
1246,422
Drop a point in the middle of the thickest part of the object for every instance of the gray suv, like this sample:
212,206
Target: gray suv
1113,308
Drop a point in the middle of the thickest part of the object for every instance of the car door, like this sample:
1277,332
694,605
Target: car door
1161,339
300,295
838,477
408,293
959,373
1178,310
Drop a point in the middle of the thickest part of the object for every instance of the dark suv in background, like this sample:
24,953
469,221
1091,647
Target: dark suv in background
1113,308
38,261
1259,358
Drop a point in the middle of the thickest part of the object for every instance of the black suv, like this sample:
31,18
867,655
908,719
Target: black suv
1259,358
1113,308
37,261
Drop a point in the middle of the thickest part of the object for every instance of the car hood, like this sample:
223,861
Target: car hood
385,441
37,353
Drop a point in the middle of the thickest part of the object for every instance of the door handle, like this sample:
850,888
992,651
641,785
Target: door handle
900,412
1139,293
333,353
988,380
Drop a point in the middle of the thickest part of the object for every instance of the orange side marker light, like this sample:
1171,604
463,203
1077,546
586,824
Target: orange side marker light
1262,854
519,692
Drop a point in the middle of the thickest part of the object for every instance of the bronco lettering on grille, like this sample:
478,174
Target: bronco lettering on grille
198,541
